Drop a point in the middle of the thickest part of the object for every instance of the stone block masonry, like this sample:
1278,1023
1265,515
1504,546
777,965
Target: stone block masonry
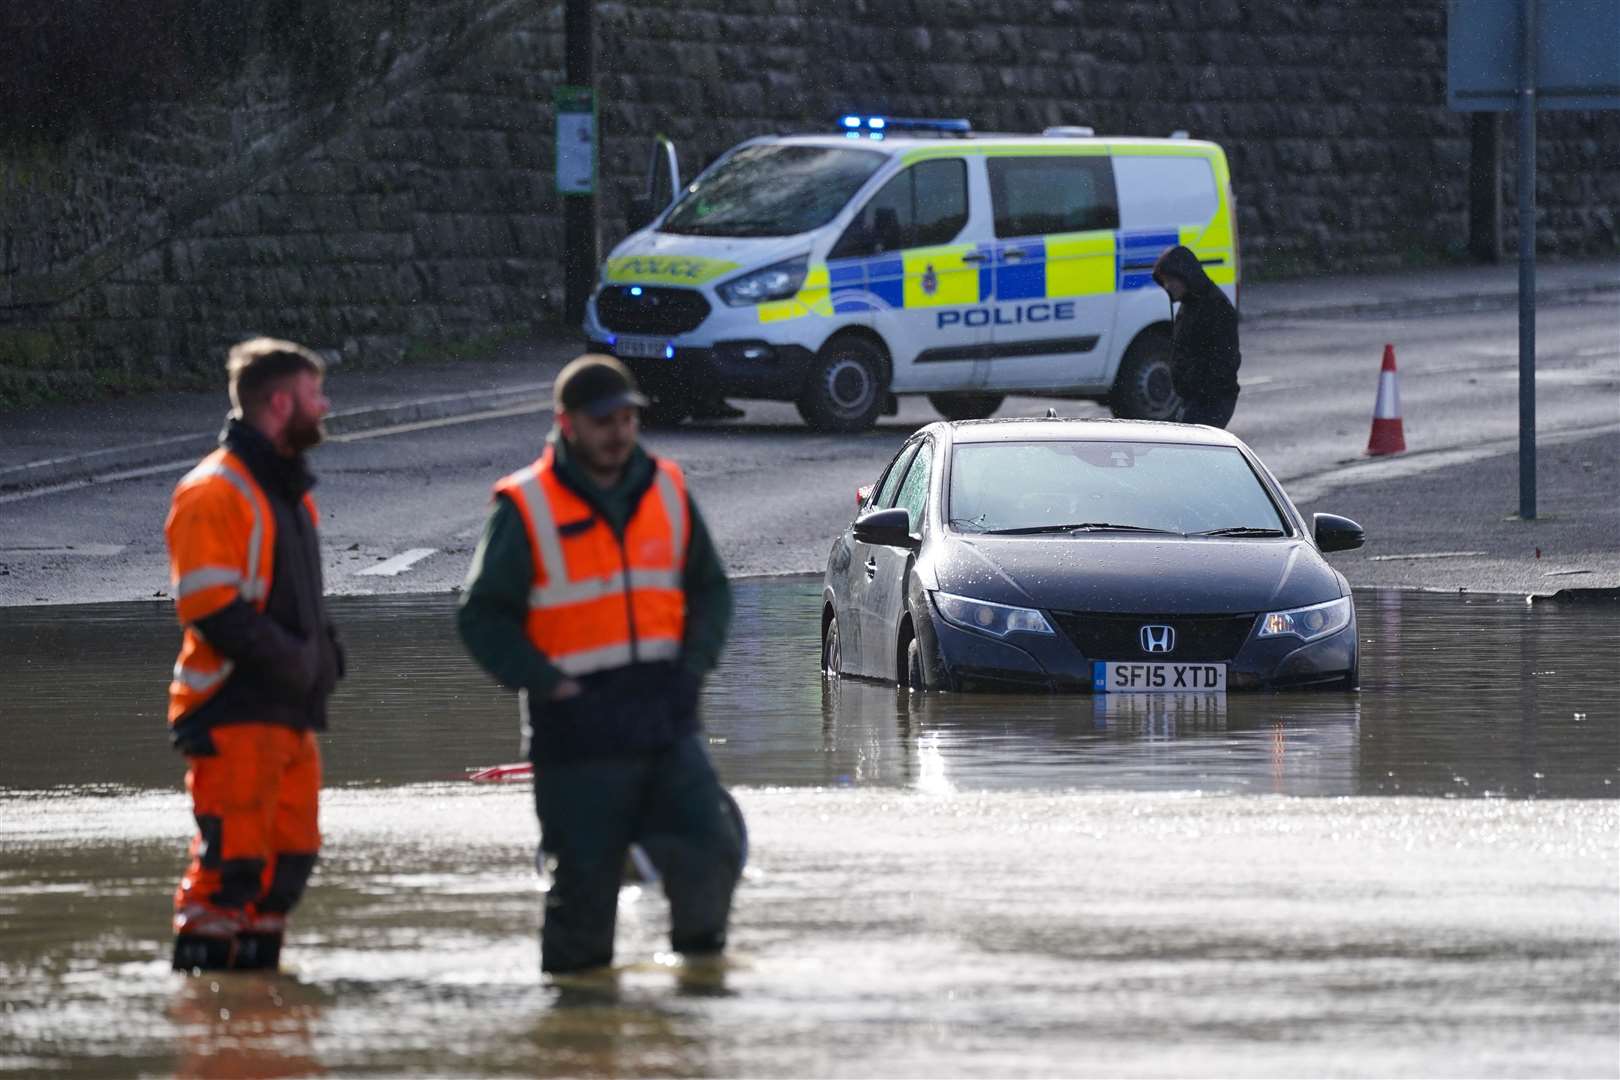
417,208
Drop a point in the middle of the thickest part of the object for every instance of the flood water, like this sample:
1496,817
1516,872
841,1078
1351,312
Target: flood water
1422,878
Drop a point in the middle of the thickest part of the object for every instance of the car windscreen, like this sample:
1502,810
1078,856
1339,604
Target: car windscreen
1033,487
772,190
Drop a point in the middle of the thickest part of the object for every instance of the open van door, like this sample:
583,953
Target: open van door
663,185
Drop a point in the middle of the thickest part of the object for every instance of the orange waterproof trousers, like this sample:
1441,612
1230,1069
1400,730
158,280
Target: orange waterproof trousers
256,802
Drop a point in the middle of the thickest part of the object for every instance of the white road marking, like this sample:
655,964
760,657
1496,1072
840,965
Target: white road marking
355,436
98,551
1426,555
398,564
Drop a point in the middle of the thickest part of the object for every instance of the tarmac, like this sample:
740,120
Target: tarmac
1571,549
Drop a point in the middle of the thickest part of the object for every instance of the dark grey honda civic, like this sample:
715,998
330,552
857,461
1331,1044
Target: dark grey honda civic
1106,556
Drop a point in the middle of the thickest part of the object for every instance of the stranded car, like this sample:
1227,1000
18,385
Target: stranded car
1101,555
915,257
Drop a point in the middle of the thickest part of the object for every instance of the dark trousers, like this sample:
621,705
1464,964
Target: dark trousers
671,803
1216,412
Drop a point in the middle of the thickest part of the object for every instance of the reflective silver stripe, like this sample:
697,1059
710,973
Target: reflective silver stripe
202,681
655,579
575,592
658,649
545,527
206,578
675,511
252,587
583,663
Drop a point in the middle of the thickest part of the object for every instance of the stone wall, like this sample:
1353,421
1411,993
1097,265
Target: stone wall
417,210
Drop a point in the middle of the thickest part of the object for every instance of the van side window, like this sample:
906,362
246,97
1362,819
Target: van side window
926,204
1165,192
1037,195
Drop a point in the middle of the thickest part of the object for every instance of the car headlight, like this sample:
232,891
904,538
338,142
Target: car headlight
1308,623
776,282
997,619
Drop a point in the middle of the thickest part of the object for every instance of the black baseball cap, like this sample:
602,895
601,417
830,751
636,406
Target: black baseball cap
596,384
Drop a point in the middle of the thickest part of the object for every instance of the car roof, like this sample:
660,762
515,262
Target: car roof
1100,429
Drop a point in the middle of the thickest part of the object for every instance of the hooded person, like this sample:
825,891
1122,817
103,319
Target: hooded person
1204,354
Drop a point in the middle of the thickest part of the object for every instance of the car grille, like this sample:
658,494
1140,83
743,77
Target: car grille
651,310
1110,636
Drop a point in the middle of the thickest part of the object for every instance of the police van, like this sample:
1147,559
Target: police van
911,256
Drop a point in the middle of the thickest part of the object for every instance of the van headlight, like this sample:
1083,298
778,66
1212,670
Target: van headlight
1308,623
981,615
775,282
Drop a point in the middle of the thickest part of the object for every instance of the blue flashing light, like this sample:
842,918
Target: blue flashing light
635,290
669,352
855,125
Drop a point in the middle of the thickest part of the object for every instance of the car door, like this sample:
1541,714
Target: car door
886,569
911,257
850,593
1054,270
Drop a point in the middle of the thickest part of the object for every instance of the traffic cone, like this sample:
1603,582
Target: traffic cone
1387,437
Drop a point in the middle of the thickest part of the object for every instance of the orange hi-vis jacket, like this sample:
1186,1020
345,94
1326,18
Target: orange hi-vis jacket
597,600
221,533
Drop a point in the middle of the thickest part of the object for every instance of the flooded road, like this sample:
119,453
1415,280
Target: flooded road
1423,878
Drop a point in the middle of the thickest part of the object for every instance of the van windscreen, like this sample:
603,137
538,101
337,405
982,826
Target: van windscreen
772,190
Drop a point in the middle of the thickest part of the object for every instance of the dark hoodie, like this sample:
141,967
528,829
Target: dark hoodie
1204,355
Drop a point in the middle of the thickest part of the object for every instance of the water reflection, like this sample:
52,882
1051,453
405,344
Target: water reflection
1461,696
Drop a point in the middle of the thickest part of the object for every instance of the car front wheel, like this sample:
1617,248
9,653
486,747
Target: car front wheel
832,654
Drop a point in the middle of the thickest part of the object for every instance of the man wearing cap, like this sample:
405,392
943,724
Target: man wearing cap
597,594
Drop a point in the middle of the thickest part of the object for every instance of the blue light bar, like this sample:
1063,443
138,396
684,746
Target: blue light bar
853,123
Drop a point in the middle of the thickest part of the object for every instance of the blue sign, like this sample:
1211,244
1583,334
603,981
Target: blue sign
1577,54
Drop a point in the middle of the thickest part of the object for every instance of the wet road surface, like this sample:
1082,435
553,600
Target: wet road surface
1417,879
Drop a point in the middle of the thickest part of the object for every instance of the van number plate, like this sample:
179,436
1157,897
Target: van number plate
1125,677
649,348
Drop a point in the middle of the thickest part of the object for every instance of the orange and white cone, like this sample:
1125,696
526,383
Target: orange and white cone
1387,436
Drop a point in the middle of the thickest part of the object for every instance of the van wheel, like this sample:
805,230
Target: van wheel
1144,389
846,388
966,406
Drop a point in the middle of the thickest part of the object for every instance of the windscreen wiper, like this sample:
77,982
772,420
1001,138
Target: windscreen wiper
1240,530
1080,526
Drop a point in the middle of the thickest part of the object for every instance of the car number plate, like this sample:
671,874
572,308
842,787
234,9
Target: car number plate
1129,677
642,347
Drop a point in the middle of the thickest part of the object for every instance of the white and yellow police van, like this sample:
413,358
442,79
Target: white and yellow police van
916,257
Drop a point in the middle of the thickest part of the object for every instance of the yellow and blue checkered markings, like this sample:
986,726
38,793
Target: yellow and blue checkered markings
964,275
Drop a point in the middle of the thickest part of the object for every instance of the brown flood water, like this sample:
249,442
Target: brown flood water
1422,878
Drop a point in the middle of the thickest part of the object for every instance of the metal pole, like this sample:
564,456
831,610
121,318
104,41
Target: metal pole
579,211
1527,259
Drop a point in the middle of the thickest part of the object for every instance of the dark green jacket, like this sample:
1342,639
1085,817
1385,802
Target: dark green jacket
495,602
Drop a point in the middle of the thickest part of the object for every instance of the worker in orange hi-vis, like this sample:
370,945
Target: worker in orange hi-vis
258,661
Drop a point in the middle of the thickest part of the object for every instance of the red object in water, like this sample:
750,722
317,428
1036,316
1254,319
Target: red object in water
1387,435
498,774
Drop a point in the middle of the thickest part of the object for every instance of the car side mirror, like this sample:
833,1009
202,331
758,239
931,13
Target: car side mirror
1335,533
641,212
886,528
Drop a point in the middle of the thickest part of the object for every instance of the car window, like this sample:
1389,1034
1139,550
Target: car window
1173,487
1038,195
913,495
773,190
891,480
926,204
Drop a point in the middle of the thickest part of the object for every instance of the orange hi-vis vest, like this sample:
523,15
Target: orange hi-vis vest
221,533
598,601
